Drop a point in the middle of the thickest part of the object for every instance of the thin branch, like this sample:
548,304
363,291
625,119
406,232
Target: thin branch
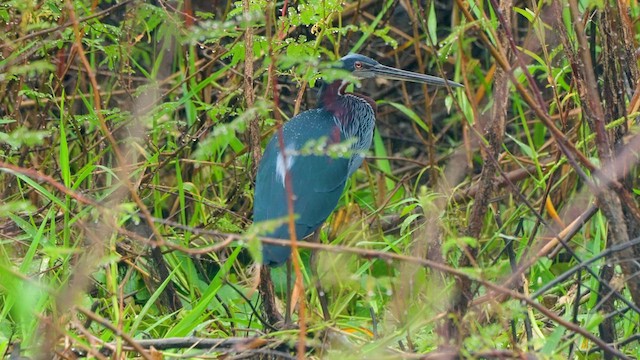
106,323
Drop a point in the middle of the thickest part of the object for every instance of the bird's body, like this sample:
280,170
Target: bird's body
317,177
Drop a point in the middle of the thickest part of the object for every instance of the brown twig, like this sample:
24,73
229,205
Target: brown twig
423,262
106,323
610,204
102,122
249,94
288,185
157,254
493,130
265,286
32,35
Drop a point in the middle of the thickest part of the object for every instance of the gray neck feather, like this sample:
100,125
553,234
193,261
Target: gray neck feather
358,121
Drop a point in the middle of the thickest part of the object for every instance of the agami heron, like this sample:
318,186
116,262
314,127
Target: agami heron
318,179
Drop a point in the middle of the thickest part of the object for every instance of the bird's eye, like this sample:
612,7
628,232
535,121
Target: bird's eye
358,65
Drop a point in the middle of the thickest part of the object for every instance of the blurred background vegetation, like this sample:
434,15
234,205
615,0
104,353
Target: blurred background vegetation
496,221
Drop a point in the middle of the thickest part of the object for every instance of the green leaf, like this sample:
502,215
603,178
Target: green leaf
524,147
64,152
46,193
526,13
15,207
383,164
408,113
457,242
198,313
23,136
432,26
552,341
4,15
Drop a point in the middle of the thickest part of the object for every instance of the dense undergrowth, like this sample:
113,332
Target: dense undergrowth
495,221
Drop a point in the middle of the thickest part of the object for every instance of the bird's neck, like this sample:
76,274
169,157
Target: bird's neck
331,99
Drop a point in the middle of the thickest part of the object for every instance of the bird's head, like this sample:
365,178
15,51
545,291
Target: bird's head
363,67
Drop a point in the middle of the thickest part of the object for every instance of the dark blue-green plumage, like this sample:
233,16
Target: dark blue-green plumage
317,181
317,178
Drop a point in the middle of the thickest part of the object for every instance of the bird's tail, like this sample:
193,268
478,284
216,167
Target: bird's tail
275,255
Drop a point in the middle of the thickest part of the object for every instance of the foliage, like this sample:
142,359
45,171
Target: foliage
116,113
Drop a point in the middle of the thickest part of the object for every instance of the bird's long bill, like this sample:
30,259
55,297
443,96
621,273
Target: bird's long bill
397,74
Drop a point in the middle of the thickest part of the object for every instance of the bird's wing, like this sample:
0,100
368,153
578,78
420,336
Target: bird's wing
317,180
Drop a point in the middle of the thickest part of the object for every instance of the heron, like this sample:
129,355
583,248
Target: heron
318,178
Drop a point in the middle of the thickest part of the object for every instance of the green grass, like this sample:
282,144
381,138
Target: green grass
76,266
